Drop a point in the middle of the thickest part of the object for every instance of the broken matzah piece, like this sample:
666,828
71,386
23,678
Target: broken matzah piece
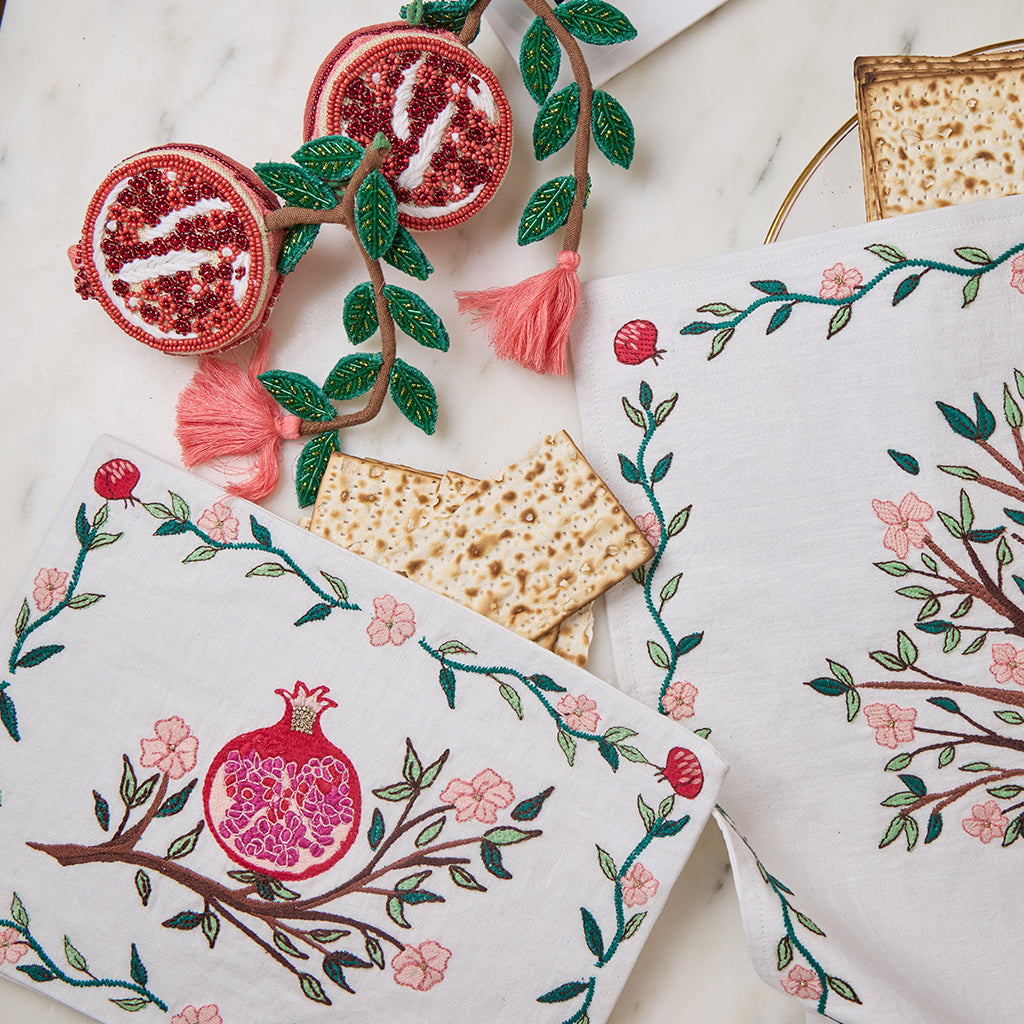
530,546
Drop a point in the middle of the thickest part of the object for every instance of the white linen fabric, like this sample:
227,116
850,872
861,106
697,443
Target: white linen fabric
837,500
447,824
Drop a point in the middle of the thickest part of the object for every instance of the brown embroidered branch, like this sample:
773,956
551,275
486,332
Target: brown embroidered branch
950,796
1015,471
991,693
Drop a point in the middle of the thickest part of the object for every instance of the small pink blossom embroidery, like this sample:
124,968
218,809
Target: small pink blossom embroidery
1017,273
649,526
579,712
173,750
839,282
49,588
392,622
802,982
986,822
219,524
481,799
12,946
892,724
421,967
905,522
204,1015
1007,664
678,700
638,886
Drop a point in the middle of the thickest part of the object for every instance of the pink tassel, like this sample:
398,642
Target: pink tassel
225,411
529,322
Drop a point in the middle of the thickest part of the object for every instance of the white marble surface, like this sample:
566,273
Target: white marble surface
727,114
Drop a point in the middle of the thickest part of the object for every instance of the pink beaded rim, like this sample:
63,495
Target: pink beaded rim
248,198
323,117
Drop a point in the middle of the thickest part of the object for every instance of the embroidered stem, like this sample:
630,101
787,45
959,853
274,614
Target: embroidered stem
986,692
620,915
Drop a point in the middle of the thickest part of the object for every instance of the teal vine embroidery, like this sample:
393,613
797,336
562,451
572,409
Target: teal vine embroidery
664,654
14,933
634,886
843,297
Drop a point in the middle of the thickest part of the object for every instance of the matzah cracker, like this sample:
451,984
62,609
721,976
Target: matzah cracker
531,545
573,637
935,131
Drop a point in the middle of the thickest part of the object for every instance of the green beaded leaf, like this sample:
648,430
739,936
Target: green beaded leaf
298,240
406,255
376,215
360,313
416,318
595,21
547,209
331,157
297,186
298,394
613,130
414,395
539,60
352,376
449,14
556,121
312,465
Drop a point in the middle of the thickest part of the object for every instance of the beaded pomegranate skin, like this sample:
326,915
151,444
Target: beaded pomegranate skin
441,109
176,251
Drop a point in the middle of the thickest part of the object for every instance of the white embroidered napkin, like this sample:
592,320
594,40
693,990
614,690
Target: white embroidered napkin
837,502
247,775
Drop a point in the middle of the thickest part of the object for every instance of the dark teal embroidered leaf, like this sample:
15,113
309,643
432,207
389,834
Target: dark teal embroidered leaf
946,704
629,472
138,969
661,469
446,678
298,240
906,462
414,395
592,933
609,753
421,896
8,714
915,784
330,157
556,121
297,186
184,921
170,528
315,614
540,57
840,318
260,533
312,989
688,643
844,989
547,209
563,993
38,655
298,394
613,129
972,254
352,376
672,828
416,318
36,972
375,833
312,464
102,810
889,253
905,287
405,255
985,536
527,810
770,287
333,969
970,292
81,525
546,683
779,317
986,421
959,422
143,886
376,215
360,313
595,22
1015,514
827,686
698,327
184,845
174,804
490,854
934,626
934,827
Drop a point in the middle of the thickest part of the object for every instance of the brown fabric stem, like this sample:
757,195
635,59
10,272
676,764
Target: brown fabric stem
472,22
289,216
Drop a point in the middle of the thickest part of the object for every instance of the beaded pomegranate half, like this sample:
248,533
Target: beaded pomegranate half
440,107
176,251
284,800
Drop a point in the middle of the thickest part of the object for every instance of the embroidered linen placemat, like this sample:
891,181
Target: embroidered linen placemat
823,440
248,777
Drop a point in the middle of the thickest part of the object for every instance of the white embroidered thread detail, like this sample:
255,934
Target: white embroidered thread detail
430,143
169,223
482,99
438,211
403,98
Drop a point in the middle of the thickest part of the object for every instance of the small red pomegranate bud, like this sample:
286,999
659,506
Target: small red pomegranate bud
115,480
683,772
637,342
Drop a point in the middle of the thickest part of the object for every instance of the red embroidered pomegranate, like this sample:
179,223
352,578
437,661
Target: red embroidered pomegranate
636,342
442,110
176,251
683,772
284,801
115,480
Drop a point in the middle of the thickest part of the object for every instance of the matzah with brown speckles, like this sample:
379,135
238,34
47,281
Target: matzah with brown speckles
936,131
531,545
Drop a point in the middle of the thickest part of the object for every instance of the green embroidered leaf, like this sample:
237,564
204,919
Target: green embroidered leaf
412,769
906,648
395,793
8,714
669,590
784,953
173,804
405,255
678,522
1013,830
893,568
613,129
74,958
352,376
334,970
647,815
842,989
636,417
396,911
506,835
718,309
946,755
297,186
101,516
808,923
632,754
446,678
298,394
841,672
144,792
18,911
595,22
888,661
951,640
143,886
966,510
889,253
315,614
416,318
37,972
592,933
312,989
898,763
376,215
718,342
327,934
38,655
512,699
128,784
608,868
952,526
639,574
912,834
463,879
330,157
430,833
563,993
157,510
267,569
540,57
360,313
661,413
906,462
1010,717
312,465
374,951
22,620
102,540
1011,410
618,733
490,854
455,647
184,845
1004,792
211,928
657,654
893,832
286,945
971,290
568,745
976,644
688,643
132,1003
203,553
338,586
852,704
905,287
414,395
779,317
298,240
431,772
972,254
840,318
547,209
84,600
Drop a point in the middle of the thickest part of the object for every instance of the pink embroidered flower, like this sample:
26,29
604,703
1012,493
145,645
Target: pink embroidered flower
650,527
1007,664
421,967
12,946
204,1015
892,724
986,822
219,523
802,982
839,282
579,712
678,700
481,799
905,522
173,750
638,886
1017,273
49,588
392,622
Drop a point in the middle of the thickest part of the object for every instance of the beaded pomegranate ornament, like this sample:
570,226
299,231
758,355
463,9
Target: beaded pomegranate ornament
284,801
